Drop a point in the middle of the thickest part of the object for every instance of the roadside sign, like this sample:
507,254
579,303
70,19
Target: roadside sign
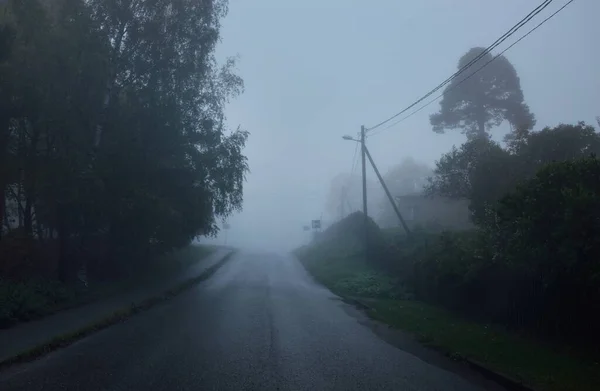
226,226
306,228
316,224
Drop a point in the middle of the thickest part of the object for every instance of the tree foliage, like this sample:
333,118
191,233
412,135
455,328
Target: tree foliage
531,264
469,172
482,171
548,231
478,103
114,126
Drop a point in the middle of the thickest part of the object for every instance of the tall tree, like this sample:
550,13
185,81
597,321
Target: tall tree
114,123
478,103
6,44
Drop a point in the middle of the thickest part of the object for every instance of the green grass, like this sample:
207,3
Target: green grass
535,364
522,359
355,279
34,299
114,318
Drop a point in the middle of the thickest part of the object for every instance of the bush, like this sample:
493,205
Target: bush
17,251
23,301
548,233
532,266
373,285
351,231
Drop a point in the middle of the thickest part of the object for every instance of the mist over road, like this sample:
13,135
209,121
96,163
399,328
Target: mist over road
260,323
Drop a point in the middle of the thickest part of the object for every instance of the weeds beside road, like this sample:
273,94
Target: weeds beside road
98,316
33,299
536,364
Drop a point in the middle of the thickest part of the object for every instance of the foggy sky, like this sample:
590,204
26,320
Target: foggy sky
315,70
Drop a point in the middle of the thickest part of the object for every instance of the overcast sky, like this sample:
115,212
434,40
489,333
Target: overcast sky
315,70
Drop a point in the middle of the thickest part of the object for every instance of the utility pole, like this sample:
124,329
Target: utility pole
387,191
364,189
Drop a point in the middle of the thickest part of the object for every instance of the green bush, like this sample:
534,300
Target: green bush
548,234
531,265
22,301
373,285
351,232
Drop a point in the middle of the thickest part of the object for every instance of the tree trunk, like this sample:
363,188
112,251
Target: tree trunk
63,243
39,229
19,203
2,205
27,217
4,137
30,174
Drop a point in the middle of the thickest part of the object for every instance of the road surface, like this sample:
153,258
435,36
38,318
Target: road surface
260,323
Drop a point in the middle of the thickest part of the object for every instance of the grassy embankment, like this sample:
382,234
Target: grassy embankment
533,363
36,298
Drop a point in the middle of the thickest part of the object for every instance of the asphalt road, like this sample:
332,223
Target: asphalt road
260,323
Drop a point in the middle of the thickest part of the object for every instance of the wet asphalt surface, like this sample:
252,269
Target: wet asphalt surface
260,323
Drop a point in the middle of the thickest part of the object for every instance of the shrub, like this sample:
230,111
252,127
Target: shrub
351,231
22,301
373,285
548,233
532,266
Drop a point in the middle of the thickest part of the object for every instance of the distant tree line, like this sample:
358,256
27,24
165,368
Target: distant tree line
113,142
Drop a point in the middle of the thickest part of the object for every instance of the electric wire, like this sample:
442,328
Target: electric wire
476,71
486,51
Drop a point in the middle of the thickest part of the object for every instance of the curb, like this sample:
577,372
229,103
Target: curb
117,316
505,381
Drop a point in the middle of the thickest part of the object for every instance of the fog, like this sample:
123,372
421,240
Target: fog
316,70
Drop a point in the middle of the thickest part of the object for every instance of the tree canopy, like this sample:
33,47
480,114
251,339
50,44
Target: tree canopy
114,124
475,104
482,171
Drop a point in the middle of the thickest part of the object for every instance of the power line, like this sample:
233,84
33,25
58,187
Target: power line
478,69
505,36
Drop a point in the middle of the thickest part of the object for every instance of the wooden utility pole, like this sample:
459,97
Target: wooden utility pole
387,192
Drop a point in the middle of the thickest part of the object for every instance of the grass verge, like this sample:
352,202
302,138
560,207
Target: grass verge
512,360
114,318
35,299
511,356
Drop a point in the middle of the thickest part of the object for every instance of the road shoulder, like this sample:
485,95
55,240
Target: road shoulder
34,339
447,340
